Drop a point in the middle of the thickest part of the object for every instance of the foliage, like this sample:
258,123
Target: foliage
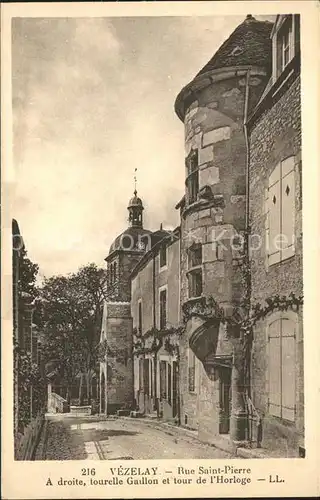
31,387
159,337
28,272
71,319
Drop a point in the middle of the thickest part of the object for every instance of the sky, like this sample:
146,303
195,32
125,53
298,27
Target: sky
93,99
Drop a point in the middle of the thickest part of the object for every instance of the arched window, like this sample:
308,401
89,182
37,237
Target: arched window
115,271
110,274
281,336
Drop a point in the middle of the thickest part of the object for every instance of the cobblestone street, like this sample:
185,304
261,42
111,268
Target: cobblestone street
79,438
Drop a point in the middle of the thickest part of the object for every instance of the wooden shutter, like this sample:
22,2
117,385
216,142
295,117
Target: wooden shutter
141,374
274,363
288,207
288,364
163,379
146,380
274,218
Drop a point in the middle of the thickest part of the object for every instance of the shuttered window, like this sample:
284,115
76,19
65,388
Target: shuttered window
281,368
280,212
163,380
146,376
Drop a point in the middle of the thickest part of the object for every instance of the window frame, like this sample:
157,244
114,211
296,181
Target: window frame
192,180
286,27
195,270
283,253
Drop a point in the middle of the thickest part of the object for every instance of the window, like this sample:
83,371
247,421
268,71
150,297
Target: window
191,371
146,376
281,368
195,255
193,176
140,317
163,256
163,379
195,270
280,212
163,308
285,46
284,41
114,271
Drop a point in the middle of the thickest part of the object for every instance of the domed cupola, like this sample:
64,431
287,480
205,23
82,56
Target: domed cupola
135,208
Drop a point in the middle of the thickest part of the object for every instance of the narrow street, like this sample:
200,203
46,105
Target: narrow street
79,438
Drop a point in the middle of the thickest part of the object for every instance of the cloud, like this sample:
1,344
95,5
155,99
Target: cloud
93,99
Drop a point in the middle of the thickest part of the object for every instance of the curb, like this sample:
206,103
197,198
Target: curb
227,446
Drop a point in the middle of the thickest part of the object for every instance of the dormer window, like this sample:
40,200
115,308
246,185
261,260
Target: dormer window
284,40
286,44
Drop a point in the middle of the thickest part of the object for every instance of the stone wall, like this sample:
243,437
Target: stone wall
146,286
275,136
118,365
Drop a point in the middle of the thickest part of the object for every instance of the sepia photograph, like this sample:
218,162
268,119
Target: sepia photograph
160,249
157,280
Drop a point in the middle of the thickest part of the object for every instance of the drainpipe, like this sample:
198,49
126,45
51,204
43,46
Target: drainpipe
155,406
247,222
238,423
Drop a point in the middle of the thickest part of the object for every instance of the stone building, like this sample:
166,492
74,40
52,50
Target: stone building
155,306
116,368
275,208
214,108
210,315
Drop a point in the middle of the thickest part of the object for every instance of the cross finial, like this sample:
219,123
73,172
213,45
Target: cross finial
135,181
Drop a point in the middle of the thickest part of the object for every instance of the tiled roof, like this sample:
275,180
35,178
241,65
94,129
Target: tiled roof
249,44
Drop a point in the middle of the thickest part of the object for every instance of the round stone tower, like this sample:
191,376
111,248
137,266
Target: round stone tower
214,108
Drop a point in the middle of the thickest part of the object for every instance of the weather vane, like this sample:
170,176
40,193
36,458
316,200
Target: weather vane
135,181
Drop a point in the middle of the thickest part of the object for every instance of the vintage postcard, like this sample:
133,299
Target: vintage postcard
160,221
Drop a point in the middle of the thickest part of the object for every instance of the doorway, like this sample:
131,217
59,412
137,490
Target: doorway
224,399
175,391
102,394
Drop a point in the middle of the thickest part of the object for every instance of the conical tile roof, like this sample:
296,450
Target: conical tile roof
249,44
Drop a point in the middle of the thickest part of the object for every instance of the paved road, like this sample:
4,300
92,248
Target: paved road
72,438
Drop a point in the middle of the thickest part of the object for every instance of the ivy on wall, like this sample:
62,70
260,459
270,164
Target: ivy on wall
166,337
32,388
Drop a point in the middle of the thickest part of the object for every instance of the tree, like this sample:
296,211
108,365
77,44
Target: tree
28,272
71,320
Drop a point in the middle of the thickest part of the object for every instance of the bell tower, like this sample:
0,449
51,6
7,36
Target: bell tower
135,207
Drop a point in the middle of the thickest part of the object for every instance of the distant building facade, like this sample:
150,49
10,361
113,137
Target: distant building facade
155,306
